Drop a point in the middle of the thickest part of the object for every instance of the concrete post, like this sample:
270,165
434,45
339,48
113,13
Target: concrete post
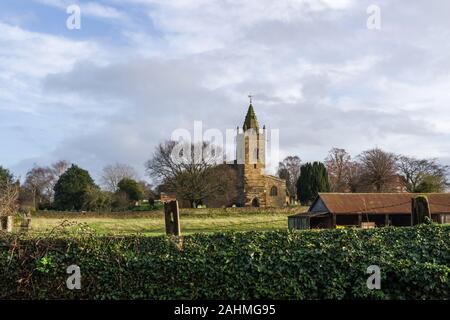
6,223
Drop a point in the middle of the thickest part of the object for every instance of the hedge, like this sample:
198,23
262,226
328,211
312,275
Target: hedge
326,264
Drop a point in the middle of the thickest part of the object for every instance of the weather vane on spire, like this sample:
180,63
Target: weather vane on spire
250,96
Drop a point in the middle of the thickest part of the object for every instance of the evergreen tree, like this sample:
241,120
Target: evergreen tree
131,188
313,179
5,176
304,183
72,188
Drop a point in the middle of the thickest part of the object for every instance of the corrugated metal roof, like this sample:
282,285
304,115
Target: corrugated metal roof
381,203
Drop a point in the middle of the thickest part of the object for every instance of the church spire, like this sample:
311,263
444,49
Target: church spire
250,119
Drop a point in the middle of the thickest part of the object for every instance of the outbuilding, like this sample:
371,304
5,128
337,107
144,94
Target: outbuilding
330,210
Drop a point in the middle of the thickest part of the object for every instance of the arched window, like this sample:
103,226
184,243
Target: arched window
273,191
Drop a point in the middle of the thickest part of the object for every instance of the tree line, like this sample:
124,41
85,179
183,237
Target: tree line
197,180
373,170
65,186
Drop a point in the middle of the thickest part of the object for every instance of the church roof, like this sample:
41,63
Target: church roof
250,119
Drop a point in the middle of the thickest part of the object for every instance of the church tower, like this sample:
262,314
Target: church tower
254,142
251,156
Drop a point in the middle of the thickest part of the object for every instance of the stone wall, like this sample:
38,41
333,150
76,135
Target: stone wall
278,198
254,186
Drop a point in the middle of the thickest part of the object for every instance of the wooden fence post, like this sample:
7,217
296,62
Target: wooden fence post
172,218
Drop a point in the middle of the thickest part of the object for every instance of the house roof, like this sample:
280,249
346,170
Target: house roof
380,203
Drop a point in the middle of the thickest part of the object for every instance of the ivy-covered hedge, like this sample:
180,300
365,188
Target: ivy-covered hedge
327,264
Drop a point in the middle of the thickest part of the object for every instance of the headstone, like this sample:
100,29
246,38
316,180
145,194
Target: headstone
6,223
9,224
26,222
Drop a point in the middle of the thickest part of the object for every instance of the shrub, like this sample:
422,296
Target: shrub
131,188
326,264
149,207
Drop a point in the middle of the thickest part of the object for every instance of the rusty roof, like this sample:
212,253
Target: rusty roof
380,203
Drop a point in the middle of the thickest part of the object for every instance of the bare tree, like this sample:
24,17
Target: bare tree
39,181
289,169
338,163
378,169
8,198
9,194
353,178
58,168
113,174
190,172
418,172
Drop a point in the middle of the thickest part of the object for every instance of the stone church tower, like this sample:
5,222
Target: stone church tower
255,187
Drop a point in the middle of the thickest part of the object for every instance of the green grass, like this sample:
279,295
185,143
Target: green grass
152,223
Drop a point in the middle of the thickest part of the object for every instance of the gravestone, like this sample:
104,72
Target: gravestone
6,223
26,222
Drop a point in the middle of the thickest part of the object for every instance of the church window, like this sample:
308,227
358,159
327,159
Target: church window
274,191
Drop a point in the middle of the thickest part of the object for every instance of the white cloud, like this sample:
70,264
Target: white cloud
36,54
316,72
93,9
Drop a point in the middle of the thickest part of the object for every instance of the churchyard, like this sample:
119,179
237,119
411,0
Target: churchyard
151,223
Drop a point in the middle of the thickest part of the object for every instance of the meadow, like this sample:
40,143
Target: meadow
151,223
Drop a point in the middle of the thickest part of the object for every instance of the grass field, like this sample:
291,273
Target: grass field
152,223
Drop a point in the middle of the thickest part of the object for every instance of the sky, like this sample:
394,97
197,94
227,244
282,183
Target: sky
137,70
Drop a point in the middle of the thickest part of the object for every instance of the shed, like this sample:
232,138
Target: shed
303,220
376,209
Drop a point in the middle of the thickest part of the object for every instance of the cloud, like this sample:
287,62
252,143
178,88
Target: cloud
93,9
31,122
317,74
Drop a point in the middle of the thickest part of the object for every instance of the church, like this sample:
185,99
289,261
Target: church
250,186
255,188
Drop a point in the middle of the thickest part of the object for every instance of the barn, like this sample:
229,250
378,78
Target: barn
367,210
